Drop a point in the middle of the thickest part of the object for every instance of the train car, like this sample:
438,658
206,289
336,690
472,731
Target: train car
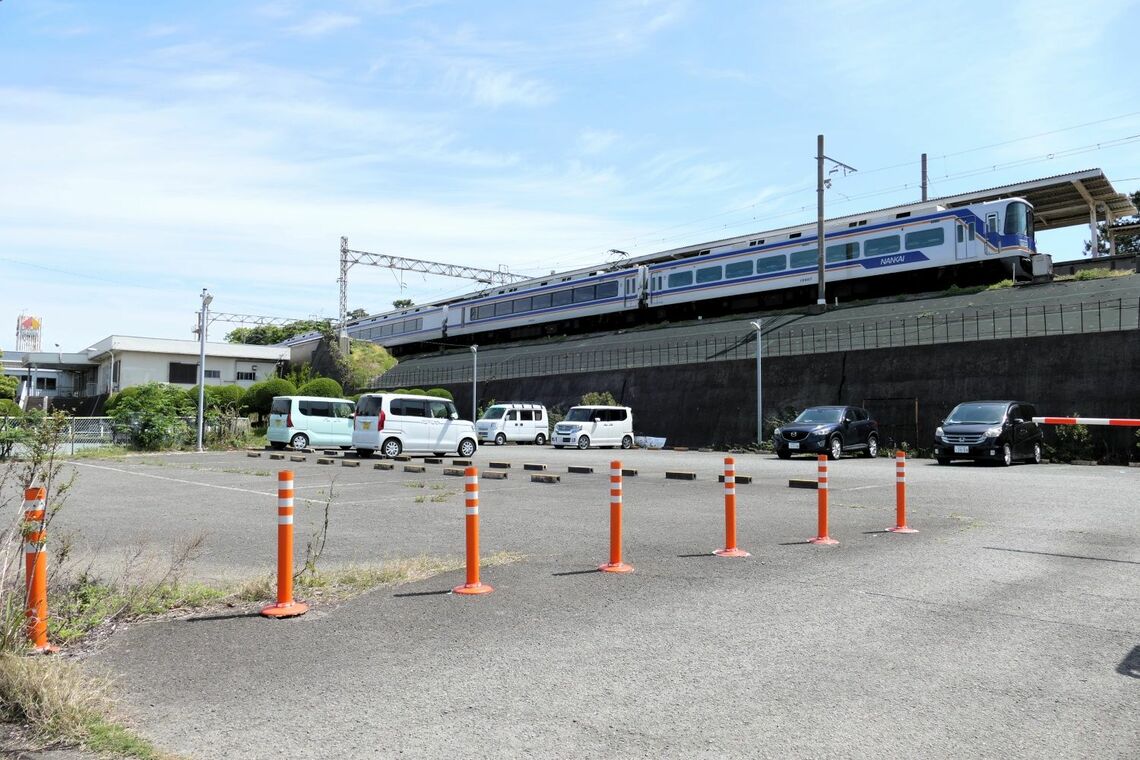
858,249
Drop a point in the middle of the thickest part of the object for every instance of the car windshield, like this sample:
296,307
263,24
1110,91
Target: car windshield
821,414
580,414
977,414
494,413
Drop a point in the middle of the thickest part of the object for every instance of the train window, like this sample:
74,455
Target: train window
902,215
541,301
708,274
502,307
925,238
607,289
737,269
562,297
804,259
881,246
520,304
991,224
961,233
794,235
771,264
584,294
680,279
842,252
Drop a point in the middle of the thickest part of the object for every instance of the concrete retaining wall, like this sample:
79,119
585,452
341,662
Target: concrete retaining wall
908,389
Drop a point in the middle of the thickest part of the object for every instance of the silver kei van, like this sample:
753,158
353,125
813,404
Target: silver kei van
521,423
393,423
303,421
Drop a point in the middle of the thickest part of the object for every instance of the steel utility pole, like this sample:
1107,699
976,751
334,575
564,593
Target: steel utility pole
821,185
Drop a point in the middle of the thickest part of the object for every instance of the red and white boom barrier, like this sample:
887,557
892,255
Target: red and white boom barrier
1087,421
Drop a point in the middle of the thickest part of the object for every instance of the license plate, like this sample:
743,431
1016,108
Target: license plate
961,449
366,425
793,444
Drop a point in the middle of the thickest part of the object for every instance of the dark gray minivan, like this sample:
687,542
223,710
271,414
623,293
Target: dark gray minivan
997,431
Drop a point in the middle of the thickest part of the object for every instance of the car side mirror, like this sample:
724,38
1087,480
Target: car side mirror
1017,420
453,416
597,419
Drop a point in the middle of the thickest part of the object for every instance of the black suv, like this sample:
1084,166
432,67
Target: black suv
998,431
828,430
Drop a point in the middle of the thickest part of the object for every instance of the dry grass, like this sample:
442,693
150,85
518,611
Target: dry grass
61,703
351,580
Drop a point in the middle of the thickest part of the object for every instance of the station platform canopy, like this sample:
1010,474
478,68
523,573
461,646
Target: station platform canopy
1063,200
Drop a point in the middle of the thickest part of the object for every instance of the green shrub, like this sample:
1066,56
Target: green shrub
1072,442
259,396
8,387
324,387
416,392
441,393
224,397
9,408
594,398
154,416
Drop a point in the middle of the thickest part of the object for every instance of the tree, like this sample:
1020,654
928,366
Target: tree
155,415
1126,242
402,303
8,386
356,314
268,335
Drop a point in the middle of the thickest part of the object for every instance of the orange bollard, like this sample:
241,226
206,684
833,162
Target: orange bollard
900,495
822,538
35,569
472,586
286,606
730,549
615,565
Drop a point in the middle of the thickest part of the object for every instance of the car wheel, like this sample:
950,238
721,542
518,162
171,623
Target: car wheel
299,441
942,460
1006,455
500,439
627,442
834,447
364,453
873,446
466,447
277,444
540,440
782,454
1036,458
584,442
392,448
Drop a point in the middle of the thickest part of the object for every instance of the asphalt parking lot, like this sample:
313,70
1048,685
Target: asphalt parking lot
1008,626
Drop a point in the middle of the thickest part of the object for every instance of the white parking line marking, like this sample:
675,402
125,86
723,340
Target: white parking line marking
187,482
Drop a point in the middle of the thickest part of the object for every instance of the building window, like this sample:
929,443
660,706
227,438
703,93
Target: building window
45,383
247,376
215,374
186,374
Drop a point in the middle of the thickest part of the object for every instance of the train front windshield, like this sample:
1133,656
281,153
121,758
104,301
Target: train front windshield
1019,219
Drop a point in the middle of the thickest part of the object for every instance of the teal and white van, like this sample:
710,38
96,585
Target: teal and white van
303,421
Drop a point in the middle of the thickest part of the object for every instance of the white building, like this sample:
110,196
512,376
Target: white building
119,361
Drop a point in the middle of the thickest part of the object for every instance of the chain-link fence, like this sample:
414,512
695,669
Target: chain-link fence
80,433
781,338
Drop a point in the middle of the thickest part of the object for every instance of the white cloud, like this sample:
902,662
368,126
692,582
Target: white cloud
594,141
493,87
323,23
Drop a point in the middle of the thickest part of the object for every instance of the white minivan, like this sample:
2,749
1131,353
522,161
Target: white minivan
392,423
303,421
522,423
586,426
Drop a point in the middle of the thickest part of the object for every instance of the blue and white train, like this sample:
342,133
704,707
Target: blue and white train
744,272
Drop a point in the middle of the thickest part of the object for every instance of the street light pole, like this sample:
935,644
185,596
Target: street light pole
759,385
203,320
474,380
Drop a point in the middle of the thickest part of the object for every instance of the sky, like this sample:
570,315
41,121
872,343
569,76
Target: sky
153,149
